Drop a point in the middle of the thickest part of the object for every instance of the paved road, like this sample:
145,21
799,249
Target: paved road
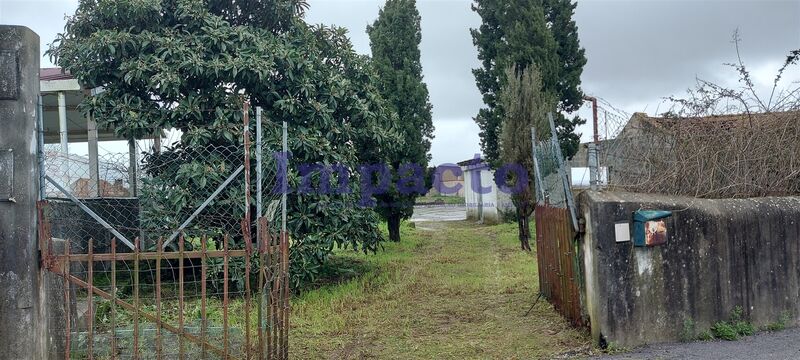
767,345
442,212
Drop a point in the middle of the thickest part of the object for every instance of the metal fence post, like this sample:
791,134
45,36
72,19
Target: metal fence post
259,168
593,165
536,173
285,184
40,147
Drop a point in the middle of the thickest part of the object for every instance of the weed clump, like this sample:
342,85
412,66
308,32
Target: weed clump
730,330
780,324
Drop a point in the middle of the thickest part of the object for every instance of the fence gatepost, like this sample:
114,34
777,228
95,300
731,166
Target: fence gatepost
23,330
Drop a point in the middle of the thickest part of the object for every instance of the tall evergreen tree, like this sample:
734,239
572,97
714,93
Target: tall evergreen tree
526,106
520,33
394,38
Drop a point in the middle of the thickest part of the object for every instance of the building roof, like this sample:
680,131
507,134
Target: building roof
56,73
470,162
713,122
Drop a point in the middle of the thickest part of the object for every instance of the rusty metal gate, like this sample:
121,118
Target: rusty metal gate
557,261
556,225
161,268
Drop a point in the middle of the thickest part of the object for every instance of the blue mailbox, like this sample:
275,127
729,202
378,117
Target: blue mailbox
649,228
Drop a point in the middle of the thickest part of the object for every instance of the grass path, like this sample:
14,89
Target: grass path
453,290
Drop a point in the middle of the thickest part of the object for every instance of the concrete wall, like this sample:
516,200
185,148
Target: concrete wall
489,207
23,306
471,198
719,254
490,214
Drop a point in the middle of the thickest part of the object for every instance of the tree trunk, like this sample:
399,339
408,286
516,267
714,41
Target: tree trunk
393,223
524,230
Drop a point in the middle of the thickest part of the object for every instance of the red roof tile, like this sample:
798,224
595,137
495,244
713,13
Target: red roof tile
47,74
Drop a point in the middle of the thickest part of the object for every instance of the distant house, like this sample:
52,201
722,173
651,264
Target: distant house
73,172
719,155
63,123
448,180
485,202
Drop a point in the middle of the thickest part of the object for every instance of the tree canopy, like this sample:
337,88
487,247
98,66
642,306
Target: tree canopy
395,38
526,106
520,33
189,65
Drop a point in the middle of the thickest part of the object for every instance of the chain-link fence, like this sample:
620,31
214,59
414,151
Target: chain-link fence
550,171
701,155
171,252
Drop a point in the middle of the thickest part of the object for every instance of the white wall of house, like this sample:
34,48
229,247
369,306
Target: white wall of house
486,208
471,198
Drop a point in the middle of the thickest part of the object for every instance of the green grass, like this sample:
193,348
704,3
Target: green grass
458,291
447,290
439,199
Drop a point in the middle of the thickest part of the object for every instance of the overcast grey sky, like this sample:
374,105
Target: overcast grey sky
638,51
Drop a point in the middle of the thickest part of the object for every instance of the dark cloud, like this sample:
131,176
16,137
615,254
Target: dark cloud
638,51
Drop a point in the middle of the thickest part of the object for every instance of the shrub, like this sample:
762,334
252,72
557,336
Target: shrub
725,331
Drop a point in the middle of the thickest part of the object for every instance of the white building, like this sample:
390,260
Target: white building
63,123
485,202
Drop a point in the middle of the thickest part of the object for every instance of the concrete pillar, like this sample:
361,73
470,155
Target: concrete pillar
62,122
593,165
132,168
94,168
23,332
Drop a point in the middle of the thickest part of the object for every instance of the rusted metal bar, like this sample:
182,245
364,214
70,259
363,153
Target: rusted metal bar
203,278
136,250
181,331
247,301
557,259
215,254
271,300
225,297
113,300
67,304
159,344
178,331
90,302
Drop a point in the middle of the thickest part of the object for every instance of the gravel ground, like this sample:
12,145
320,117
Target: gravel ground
766,345
444,212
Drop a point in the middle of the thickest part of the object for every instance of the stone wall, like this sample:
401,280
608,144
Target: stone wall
719,254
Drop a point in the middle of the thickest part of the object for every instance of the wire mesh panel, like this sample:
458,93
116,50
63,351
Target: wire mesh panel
550,171
170,261
555,229
694,149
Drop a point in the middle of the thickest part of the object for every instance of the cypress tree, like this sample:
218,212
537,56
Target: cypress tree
395,38
520,33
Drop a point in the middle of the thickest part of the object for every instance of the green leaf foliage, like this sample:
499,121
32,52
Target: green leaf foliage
190,64
526,107
521,33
